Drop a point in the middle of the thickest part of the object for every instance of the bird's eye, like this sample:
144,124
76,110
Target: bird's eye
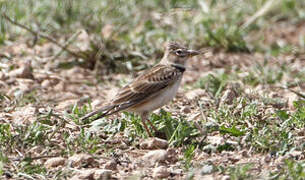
179,52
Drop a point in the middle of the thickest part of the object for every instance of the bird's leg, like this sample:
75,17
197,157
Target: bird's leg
144,117
151,124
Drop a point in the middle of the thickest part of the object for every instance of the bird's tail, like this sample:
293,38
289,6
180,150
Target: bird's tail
106,110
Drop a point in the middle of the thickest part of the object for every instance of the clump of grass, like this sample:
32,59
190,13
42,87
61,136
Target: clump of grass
27,166
291,169
85,141
188,156
178,131
274,134
226,36
138,29
214,84
240,172
264,74
27,98
297,118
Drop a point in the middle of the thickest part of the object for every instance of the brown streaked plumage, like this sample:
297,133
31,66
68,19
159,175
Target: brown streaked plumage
153,88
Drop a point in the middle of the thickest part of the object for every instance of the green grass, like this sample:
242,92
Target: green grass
189,154
214,84
273,134
291,169
240,172
141,27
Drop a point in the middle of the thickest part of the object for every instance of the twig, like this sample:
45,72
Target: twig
297,93
25,175
62,124
293,91
259,13
34,158
35,33
68,42
201,131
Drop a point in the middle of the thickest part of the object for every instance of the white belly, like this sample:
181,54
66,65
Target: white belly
161,99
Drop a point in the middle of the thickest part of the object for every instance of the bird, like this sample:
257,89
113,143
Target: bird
152,89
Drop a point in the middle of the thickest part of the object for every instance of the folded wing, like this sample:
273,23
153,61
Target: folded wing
146,85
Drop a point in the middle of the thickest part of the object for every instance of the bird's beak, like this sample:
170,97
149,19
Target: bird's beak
193,52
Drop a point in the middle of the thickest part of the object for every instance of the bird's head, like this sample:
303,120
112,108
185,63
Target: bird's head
177,54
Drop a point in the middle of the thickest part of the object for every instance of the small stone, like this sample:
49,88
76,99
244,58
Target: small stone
155,156
161,172
84,174
207,177
46,83
154,143
102,174
80,160
55,162
186,110
267,159
207,169
111,165
191,95
225,177
244,153
177,172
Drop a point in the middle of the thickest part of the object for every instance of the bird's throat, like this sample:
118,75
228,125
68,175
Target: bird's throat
180,67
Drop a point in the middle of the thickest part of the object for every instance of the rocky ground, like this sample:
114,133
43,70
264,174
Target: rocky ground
41,102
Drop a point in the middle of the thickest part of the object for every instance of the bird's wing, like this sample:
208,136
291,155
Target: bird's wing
147,84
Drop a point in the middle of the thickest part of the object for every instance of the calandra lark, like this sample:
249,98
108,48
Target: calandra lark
153,88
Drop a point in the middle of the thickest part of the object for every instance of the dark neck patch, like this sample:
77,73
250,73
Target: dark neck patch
180,67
